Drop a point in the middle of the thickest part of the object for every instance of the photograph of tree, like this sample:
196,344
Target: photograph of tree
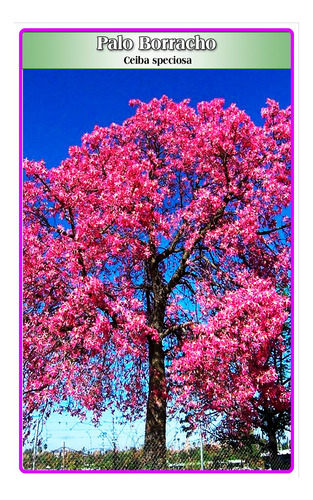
157,249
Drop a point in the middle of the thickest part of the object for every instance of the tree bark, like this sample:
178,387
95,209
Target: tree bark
155,431
273,449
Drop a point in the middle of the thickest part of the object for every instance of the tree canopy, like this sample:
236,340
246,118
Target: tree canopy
156,264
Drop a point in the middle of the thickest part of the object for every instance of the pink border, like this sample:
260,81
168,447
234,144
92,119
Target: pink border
20,243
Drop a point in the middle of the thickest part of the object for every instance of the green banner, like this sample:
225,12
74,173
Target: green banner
156,49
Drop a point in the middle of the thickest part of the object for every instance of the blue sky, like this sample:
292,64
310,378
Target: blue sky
59,106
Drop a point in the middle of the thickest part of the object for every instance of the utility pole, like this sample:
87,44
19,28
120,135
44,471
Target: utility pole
201,447
114,444
63,456
35,445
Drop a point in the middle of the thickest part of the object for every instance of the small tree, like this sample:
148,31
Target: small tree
143,222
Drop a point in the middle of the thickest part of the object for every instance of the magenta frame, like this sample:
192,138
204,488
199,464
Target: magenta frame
152,30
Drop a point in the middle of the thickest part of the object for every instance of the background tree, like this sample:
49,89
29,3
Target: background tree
237,366
137,227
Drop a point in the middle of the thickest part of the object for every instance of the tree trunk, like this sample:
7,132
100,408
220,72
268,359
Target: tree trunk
273,449
155,432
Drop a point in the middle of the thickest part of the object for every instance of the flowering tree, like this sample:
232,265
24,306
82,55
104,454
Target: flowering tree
154,241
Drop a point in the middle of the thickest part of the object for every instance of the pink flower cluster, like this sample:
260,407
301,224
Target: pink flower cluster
228,363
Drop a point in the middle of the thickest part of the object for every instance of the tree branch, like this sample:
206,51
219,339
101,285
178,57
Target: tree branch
272,230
